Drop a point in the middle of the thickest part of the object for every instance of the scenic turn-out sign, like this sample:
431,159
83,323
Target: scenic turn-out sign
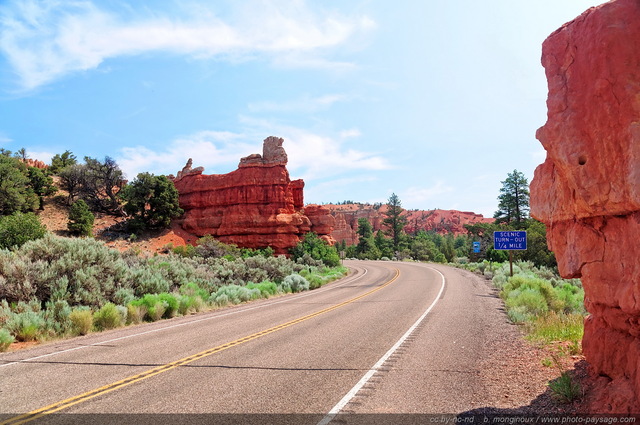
512,241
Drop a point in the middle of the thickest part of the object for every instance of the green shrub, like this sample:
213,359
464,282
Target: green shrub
6,339
153,304
19,228
80,219
571,298
295,283
171,304
136,313
220,300
266,288
210,247
26,326
185,304
56,317
5,311
192,289
108,317
123,296
317,249
565,389
81,321
531,301
186,251
554,327
148,281
234,294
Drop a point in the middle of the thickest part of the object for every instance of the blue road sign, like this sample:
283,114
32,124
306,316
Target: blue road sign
516,241
476,247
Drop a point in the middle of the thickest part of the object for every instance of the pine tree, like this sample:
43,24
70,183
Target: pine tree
514,199
394,220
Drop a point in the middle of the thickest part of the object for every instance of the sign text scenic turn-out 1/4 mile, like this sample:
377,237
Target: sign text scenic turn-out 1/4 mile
513,240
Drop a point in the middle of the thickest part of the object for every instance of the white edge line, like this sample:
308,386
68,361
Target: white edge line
352,393
216,316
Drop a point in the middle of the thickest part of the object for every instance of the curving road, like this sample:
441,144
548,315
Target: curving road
390,338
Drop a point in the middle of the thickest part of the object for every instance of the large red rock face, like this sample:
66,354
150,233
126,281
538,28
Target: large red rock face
588,190
255,206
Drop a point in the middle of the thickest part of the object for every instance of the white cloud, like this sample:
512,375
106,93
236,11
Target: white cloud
43,156
5,139
319,155
352,132
304,105
311,156
207,149
45,40
417,195
335,188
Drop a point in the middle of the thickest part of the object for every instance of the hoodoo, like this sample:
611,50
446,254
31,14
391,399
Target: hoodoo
587,192
255,206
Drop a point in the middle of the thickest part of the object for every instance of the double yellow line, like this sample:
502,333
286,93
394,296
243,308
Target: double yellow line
56,407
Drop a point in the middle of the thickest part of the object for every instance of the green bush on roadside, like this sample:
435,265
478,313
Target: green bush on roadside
294,283
108,317
26,325
6,339
81,320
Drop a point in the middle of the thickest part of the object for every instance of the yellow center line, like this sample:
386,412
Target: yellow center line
56,407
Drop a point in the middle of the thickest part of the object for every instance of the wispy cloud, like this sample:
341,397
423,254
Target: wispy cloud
311,156
45,40
4,139
317,155
43,156
207,149
416,195
304,105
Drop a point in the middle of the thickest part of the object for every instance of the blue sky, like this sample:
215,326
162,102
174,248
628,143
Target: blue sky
433,100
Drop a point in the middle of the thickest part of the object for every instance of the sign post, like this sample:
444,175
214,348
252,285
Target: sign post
510,241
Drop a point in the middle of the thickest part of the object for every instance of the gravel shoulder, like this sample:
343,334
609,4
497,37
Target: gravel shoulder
514,378
467,358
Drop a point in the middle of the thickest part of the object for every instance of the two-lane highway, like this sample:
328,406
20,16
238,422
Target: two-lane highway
307,353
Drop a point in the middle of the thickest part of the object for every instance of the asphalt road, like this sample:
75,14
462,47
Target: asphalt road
293,355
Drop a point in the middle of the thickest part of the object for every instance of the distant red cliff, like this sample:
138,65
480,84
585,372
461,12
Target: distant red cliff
440,221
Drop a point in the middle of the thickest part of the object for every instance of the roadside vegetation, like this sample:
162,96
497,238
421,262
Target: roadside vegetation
54,287
549,309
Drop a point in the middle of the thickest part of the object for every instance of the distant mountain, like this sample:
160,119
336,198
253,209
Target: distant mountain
440,221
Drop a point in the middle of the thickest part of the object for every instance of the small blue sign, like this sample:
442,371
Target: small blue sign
476,247
510,241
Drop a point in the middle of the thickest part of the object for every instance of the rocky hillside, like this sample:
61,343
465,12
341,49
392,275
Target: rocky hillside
441,221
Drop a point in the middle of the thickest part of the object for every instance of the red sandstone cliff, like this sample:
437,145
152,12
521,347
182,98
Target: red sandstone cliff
441,221
255,206
587,191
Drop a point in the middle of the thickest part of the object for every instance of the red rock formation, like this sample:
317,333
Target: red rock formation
35,163
322,222
587,191
441,221
255,206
